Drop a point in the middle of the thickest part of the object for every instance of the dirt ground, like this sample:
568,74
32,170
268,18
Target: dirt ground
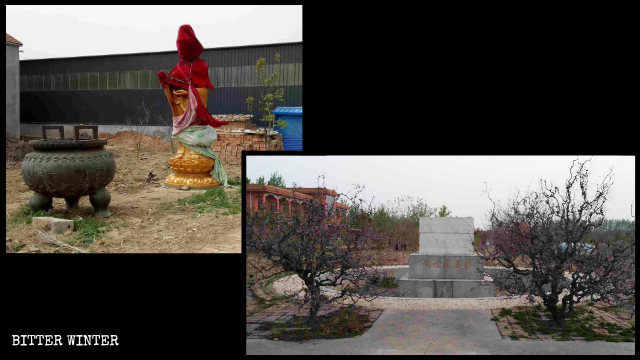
145,218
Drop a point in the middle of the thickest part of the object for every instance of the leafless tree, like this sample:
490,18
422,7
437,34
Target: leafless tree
546,239
320,250
140,127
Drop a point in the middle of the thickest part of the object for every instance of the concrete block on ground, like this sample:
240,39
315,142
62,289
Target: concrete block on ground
55,225
42,222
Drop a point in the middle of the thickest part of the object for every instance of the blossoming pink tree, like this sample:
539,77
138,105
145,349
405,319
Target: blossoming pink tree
319,249
540,237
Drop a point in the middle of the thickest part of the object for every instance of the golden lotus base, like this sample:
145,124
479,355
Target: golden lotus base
191,169
198,181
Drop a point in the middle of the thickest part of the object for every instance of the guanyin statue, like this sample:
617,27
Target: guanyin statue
186,87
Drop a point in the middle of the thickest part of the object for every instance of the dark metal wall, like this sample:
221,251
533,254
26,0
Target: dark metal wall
117,89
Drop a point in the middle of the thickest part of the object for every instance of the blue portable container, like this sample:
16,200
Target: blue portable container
292,133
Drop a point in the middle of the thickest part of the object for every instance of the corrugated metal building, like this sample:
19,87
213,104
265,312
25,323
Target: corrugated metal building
115,89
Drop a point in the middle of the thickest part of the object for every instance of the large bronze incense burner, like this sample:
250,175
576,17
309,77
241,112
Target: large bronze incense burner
69,169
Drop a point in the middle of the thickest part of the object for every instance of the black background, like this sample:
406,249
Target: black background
458,80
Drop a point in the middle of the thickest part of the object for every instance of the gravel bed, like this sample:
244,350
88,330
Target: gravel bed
292,284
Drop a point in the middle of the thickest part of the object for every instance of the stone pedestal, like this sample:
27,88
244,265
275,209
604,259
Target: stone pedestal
444,266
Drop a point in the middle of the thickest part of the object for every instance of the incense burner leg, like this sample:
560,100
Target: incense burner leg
72,202
40,202
100,201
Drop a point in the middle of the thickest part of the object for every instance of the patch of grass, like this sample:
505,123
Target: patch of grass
212,199
374,279
389,283
385,282
580,324
344,322
527,320
476,239
265,286
495,318
612,328
277,329
18,247
166,206
536,314
205,197
235,203
23,215
262,303
88,230
505,312
602,324
612,339
627,332
234,181
545,330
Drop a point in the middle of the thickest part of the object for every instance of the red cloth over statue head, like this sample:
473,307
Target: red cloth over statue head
189,48
190,66
191,71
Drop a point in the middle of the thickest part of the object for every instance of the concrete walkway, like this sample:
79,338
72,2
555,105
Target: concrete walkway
436,332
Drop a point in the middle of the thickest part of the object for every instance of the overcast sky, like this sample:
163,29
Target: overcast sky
49,31
455,181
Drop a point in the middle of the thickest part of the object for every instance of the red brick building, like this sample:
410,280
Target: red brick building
287,201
